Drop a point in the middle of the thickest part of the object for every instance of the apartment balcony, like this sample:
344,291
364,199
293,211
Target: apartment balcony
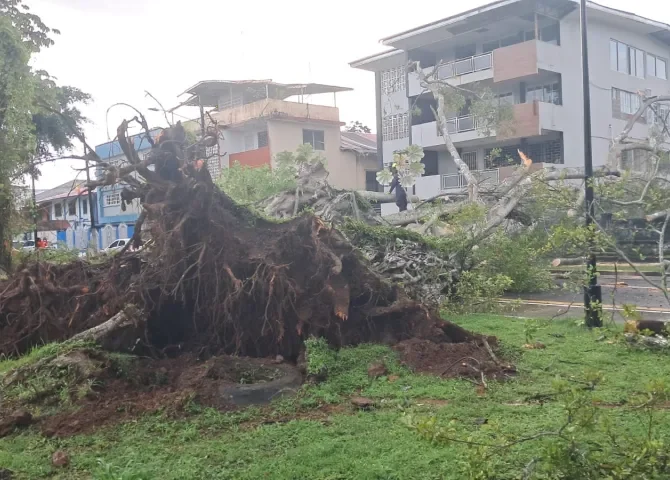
526,59
529,120
502,64
432,185
270,108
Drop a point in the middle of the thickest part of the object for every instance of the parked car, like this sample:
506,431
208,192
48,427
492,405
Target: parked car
29,245
116,245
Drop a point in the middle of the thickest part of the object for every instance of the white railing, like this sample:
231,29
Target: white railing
458,180
466,123
466,65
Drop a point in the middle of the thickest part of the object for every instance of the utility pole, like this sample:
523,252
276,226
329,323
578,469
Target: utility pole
91,203
593,296
202,152
35,213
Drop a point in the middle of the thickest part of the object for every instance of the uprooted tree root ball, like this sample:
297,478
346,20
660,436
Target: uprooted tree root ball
213,279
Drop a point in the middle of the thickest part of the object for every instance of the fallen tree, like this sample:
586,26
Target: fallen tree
214,278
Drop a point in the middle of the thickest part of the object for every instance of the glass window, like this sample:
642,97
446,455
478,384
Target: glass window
315,138
622,53
112,199
639,62
262,139
661,69
613,55
651,65
58,210
72,207
84,207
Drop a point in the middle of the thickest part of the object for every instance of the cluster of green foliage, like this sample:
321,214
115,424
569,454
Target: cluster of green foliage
519,257
247,185
38,118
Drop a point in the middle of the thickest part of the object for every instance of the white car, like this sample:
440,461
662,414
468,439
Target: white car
116,245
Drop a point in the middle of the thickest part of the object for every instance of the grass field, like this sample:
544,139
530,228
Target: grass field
320,435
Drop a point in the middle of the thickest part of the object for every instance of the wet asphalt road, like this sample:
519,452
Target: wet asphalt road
630,290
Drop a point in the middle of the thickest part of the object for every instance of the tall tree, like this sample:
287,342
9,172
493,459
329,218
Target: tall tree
16,129
42,117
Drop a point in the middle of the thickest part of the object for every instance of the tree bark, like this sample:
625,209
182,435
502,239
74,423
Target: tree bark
121,332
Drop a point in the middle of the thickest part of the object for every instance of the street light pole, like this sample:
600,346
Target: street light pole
592,291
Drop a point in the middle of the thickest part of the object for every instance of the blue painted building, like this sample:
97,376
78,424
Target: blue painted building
111,220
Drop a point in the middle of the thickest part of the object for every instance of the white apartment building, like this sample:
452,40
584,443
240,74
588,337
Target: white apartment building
529,53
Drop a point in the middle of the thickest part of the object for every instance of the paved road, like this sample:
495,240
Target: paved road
629,290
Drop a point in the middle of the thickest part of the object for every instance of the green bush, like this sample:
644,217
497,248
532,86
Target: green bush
517,257
251,184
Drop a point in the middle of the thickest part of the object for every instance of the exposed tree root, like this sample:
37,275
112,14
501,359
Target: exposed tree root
216,278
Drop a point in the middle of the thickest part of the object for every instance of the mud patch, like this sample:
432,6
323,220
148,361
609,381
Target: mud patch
469,359
141,386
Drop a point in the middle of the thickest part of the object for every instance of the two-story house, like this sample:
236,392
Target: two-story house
260,118
64,215
112,220
528,52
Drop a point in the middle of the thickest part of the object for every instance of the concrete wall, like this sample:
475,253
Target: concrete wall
287,136
348,172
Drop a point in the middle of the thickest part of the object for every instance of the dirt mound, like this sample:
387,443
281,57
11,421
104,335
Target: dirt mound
469,359
81,390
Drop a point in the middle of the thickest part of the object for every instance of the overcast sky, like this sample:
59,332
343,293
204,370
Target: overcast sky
115,50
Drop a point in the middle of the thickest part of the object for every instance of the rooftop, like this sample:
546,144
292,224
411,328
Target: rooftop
364,143
71,188
208,92
470,21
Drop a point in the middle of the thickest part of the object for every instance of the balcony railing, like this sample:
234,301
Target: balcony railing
465,123
466,65
458,181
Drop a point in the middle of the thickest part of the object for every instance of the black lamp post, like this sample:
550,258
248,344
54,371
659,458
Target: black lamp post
592,291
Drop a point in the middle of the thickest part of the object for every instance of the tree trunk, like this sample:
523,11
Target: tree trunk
122,332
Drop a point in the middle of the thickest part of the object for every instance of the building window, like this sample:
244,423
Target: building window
112,200
393,80
550,93
395,127
628,102
626,59
549,30
470,159
84,207
634,160
546,152
658,114
249,143
371,183
656,67
315,138
262,139
430,161
58,210
72,207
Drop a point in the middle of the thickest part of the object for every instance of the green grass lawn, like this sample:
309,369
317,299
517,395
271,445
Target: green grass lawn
331,440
